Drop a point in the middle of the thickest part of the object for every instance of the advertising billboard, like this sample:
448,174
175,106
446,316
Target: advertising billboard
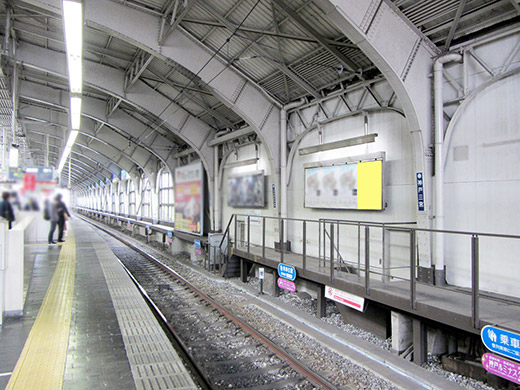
189,198
246,190
357,186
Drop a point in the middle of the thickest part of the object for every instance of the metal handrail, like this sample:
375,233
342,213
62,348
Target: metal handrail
334,248
391,226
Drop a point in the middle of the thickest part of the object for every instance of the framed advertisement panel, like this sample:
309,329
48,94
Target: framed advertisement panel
352,186
246,190
189,198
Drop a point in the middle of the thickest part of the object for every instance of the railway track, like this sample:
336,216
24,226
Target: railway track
226,352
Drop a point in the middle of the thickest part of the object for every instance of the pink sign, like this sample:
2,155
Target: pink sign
286,285
501,367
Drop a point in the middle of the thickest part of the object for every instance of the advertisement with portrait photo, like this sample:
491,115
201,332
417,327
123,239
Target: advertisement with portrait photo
246,190
189,198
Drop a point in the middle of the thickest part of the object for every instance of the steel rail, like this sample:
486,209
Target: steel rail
313,377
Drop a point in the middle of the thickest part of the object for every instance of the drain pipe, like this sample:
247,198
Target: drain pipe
438,65
216,194
283,158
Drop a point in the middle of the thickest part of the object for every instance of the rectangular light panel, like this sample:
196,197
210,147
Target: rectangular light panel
75,112
73,22
68,147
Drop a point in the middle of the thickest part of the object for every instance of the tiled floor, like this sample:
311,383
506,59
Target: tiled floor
96,356
15,330
105,301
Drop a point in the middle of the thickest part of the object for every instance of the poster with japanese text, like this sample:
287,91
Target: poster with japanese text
189,198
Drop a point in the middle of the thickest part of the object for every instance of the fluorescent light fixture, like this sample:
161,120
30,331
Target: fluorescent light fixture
235,164
364,139
75,112
73,22
68,147
13,157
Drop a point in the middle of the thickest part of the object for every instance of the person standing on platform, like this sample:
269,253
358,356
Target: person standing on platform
6,210
63,216
52,213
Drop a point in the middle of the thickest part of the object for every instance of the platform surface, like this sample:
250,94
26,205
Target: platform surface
450,306
85,324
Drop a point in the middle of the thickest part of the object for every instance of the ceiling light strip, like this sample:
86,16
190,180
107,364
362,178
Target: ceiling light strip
73,26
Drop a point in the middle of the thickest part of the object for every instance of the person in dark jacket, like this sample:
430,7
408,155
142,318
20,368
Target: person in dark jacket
63,215
6,210
52,211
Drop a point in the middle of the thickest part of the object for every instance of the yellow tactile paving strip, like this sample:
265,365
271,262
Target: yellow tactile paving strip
42,362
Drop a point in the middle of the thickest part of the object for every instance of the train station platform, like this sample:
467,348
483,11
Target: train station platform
85,324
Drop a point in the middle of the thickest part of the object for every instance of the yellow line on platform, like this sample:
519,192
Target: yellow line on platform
42,362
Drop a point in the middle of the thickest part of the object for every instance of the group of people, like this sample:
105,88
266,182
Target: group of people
56,212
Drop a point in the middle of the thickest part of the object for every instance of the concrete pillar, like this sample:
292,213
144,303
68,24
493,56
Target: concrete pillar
270,285
194,256
322,302
402,332
437,342
177,246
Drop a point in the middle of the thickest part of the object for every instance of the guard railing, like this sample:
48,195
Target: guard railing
386,251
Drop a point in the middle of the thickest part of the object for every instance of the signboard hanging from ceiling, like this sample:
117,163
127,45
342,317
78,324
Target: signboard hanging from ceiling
189,198
356,186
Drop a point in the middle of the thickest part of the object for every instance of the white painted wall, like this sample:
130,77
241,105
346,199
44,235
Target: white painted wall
482,184
245,153
399,188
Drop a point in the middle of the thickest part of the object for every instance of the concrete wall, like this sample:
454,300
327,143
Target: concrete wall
399,188
482,180
244,153
399,192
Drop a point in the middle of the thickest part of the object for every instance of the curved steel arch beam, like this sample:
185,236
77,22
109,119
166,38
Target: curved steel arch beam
142,29
104,142
79,158
76,175
112,166
119,121
111,81
402,53
81,166
467,102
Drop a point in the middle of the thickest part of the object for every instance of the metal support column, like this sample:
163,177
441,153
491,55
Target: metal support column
367,260
263,238
304,259
243,271
248,234
275,284
413,300
281,240
322,302
475,316
359,249
331,253
419,342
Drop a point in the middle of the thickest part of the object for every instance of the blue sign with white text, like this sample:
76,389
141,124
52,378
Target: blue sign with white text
420,191
501,341
197,244
170,234
287,271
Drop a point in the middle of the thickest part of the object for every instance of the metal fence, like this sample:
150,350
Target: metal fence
387,251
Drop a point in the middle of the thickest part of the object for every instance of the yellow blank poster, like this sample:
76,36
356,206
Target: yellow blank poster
370,185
